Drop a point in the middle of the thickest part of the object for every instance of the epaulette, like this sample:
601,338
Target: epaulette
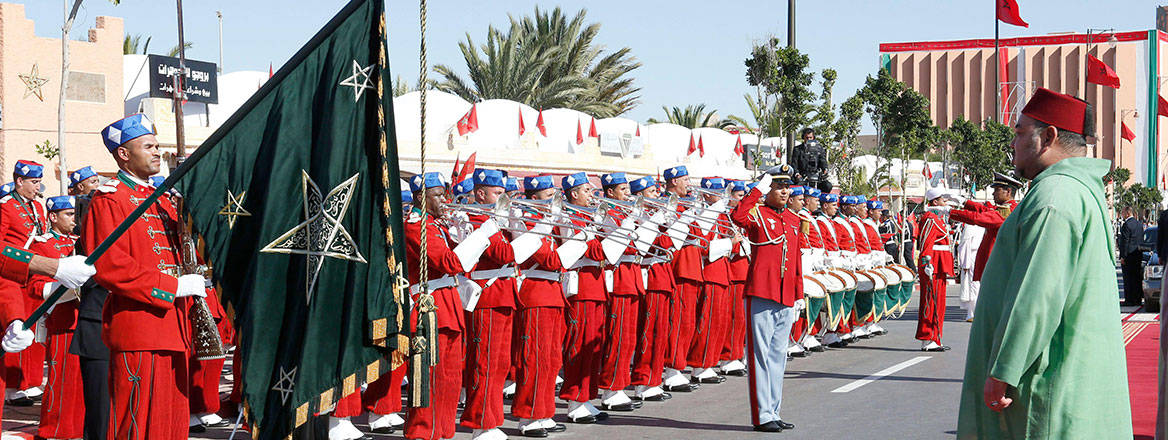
5,199
43,238
414,217
110,186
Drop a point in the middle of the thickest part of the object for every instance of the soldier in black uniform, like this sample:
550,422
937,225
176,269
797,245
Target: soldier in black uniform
810,160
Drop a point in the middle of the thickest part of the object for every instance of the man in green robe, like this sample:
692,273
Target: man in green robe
1046,358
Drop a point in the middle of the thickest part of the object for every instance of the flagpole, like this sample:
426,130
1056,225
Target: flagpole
997,68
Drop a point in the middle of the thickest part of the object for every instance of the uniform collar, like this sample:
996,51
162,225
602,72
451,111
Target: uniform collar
129,179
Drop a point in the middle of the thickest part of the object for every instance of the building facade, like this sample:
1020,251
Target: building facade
959,79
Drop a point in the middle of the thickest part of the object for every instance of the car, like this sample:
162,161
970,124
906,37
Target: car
1153,271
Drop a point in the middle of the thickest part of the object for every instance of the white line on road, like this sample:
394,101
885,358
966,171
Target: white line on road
880,374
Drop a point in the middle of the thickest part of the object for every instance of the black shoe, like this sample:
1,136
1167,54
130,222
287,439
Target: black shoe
535,432
768,427
681,388
818,349
715,379
586,420
37,398
197,429
560,427
656,398
735,373
508,396
22,401
621,407
785,425
941,348
636,404
800,354
602,416
223,423
385,430
839,344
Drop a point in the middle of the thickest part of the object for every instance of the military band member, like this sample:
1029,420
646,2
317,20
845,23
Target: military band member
63,407
862,259
586,295
687,272
802,201
828,210
848,245
774,289
490,320
22,217
653,329
935,267
512,188
83,181
627,286
713,308
989,215
877,256
734,350
540,323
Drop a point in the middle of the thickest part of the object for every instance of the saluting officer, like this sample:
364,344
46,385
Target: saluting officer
935,267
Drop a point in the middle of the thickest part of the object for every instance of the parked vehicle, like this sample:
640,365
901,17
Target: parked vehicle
1153,271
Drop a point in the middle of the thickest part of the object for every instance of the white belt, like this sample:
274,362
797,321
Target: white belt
440,283
653,260
630,259
941,247
585,262
542,274
487,274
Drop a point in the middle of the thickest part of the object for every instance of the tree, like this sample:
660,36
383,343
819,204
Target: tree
979,151
546,60
693,116
781,73
133,44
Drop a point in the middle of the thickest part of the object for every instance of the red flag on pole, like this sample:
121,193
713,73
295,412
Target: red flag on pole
469,122
928,173
539,124
692,146
454,172
1126,133
579,132
592,129
270,71
701,148
521,127
1100,73
738,146
638,130
1008,13
1162,109
467,168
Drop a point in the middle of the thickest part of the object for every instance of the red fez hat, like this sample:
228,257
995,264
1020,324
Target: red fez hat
1063,111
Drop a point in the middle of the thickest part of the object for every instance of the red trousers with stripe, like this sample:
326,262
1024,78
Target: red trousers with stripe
439,419
63,406
931,317
25,369
148,395
683,314
620,342
488,360
652,339
381,397
713,321
583,351
205,385
542,330
735,347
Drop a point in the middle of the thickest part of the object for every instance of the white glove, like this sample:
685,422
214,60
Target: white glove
191,285
954,204
72,271
17,338
800,304
472,247
959,199
764,184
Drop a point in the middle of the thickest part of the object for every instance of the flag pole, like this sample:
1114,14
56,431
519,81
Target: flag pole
997,68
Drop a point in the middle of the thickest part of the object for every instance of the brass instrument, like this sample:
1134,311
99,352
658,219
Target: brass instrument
208,344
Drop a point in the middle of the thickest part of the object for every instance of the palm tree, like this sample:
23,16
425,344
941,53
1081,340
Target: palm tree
173,52
692,116
132,44
545,61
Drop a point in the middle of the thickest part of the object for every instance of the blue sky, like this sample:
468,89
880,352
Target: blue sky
692,52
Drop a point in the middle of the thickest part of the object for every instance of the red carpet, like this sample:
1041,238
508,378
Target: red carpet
1142,341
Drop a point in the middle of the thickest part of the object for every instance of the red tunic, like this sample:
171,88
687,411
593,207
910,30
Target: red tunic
442,262
539,292
717,271
21,219
776,271
827,233
843,234
989,217
63,408
935,245
687,261
500,293
858,237
589,267
626,276
874,240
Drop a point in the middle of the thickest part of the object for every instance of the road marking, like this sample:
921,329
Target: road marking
880,374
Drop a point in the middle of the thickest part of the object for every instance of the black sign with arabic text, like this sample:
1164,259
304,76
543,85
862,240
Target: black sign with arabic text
201,83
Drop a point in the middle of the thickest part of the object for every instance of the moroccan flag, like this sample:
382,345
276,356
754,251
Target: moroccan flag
579,132
1126,133
454,172
469,123
467,168
738,146
701,147
928,173
1008,13
692,147
1100,73
539,124
521,127
592,129
296,199
271,72
1162,108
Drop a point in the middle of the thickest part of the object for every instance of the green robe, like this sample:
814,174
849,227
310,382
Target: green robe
1048,320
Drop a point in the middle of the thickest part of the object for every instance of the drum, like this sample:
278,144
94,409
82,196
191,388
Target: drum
889,300
815,295
839,304
865,296
907,281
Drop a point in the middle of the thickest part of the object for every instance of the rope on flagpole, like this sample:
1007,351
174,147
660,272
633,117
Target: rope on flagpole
424,346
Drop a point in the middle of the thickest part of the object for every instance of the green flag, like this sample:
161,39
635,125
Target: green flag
297,201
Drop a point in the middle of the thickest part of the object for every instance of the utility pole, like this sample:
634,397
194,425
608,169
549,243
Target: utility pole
790,44
179,91
69,16
219,14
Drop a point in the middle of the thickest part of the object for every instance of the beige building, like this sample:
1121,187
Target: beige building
958,78
30,81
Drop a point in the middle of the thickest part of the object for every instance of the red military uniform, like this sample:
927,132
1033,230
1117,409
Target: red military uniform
621,330
988,216
437,420
935,251
63,406
807,240
540,326
688,276
827,233
875,241
736,335
488,340
584,348
859,238
143,323
713,306
21,220
654,329
776,271
843,233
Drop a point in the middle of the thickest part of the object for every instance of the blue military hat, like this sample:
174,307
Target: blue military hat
860,199
737,185
829,198
538,183
677,171
875,204
81,174
59,203
483,177
611,179
847,200
29,169
573,180
641,184
407,197
431,179
813,191
797,190
125,130
512,184
463,187
7,188
713,183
